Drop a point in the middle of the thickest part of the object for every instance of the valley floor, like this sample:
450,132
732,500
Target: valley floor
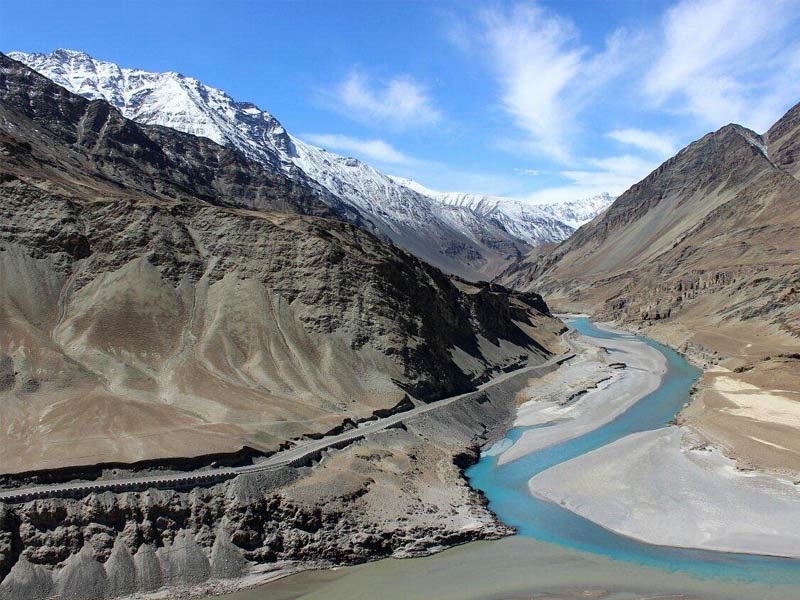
398,493
670,486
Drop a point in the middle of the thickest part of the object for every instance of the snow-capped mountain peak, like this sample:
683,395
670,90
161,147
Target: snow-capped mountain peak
579,211
471,236
168,99
573,213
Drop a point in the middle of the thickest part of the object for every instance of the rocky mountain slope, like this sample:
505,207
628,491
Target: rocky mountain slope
720,217
705,253
459,240
162,295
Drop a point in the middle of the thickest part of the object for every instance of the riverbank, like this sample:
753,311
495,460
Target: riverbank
608,376
644,484
547,518
747,402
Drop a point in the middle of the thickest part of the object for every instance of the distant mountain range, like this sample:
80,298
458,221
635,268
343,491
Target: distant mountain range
468,235
572,213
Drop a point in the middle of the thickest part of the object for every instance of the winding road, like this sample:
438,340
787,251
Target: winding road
294,456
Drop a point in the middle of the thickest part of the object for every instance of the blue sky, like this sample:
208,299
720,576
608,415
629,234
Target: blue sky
540,100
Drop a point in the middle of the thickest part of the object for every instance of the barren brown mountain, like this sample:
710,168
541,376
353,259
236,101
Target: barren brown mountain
161,295
705,254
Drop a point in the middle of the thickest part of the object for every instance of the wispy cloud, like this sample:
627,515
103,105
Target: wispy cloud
649,141
530,172
613,174
377,150
728,60
401,102
546,75
535,59
434,174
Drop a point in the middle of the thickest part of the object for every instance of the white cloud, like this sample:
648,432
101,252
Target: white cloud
546,76
401,102
612,175
646,140
728,60
531,172
376,150
434,174
534,63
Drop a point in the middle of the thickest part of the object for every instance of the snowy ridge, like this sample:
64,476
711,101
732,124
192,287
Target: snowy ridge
572,213
579,212
471,236
756,141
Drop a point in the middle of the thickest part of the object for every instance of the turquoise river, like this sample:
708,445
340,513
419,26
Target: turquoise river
556,553
506,487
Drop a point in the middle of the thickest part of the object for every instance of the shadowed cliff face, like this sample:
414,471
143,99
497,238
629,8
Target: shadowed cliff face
161,295
712,234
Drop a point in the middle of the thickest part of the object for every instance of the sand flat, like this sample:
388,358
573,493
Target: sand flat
760,355
656,487
753,416
756,403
